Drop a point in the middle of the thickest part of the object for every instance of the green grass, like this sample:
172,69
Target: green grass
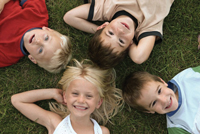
178,51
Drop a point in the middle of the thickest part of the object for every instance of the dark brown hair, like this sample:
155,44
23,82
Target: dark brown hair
103,55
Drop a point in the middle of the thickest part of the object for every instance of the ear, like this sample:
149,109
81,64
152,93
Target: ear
32,59
64,98
102,26
99,103
46,28
163,82
131,43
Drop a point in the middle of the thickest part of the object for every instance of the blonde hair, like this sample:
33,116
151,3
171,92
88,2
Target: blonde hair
104,80
61,57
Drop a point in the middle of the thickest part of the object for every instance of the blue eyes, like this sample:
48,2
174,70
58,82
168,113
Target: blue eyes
46,38
41,49
87,96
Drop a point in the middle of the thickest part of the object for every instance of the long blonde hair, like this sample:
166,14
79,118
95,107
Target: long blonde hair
104,80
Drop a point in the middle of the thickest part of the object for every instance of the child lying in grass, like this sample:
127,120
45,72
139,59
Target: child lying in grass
179,99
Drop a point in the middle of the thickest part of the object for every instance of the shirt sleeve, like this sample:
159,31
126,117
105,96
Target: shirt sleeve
196,69
176,130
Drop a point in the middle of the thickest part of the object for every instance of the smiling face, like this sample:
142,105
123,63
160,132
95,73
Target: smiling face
42,44
119,33
82,98
157,97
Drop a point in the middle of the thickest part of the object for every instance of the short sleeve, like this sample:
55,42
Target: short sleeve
196,69
176,130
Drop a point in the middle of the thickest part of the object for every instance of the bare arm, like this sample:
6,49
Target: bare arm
77,18
2,3
105,130
24,102
140,53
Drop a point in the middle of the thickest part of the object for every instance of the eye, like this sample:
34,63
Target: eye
111,33
121,41
40,51
159,91
89,96
153,103
75,94
46,38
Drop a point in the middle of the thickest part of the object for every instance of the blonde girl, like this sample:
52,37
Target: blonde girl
88,96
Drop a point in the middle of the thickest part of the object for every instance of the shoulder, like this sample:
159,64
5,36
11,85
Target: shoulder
55,119
105,130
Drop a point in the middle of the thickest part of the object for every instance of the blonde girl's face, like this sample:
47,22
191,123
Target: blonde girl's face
82,98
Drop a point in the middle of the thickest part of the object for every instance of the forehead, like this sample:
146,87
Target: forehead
82,85
148,93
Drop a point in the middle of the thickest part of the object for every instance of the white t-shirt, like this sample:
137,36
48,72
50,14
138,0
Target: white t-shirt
65,127
187,116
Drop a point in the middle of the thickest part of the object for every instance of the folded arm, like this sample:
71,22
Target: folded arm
77,18
24,102
140,53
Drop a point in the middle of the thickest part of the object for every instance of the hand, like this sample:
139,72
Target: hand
1,7
2,3
58,96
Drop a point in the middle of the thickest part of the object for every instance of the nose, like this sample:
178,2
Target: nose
81,99
162,99
120,30
38,41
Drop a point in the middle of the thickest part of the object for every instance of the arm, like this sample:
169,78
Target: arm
77,18
105,130
24,102
140,53
2,3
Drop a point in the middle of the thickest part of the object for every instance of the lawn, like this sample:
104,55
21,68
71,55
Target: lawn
177,52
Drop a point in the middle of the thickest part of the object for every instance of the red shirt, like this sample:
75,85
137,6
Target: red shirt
15,19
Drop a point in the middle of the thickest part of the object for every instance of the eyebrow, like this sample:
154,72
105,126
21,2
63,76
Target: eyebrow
155,92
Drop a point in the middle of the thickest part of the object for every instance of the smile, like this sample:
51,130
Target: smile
80,107
170,104
125,25
31,39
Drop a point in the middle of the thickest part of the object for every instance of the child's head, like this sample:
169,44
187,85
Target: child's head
48,48
149,93
110,43
90,90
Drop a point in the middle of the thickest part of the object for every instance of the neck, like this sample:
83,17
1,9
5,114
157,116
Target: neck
81,125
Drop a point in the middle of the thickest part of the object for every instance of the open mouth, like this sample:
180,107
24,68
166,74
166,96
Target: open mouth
170,104
125,25
31,39
80,107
